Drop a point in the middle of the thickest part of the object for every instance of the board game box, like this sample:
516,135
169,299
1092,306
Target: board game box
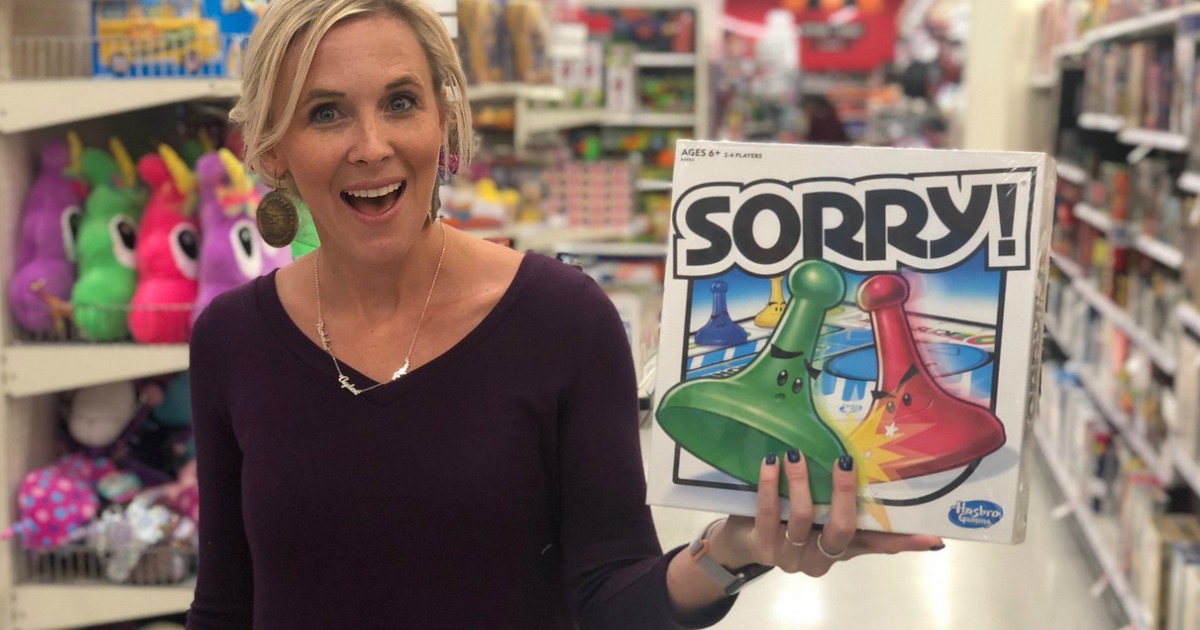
887,304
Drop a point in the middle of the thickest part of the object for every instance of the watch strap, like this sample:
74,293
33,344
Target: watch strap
730,581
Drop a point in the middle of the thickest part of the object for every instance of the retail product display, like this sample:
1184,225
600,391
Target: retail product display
170,38
599,194
878,353
503,41
232,251
45,266
107,237
168,246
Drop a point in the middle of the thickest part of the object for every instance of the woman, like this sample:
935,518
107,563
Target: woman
414,428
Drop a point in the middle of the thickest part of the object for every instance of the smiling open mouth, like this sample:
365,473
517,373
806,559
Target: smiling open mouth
376,201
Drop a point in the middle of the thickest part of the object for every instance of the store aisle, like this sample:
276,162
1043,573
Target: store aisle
1042,584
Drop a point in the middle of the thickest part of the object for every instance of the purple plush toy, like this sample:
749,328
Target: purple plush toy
45,270
231,251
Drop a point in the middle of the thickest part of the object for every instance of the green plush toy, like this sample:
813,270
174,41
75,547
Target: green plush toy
107,235
306,236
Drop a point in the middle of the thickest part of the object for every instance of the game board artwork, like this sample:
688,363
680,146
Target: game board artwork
866,310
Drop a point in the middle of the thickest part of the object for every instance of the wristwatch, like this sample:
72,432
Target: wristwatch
730,581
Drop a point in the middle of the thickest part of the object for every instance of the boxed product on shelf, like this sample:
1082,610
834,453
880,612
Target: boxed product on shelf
1186,425
1183,588
816,299
170,38
1150,566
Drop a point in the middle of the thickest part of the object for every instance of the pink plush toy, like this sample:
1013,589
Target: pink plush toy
57,501
183,496
45,266
168,246
232,252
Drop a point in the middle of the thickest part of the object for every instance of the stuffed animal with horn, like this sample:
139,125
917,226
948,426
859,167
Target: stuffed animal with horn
107,238
231,251
40,291
167,252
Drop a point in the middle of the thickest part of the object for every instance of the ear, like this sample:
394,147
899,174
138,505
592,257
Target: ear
274,163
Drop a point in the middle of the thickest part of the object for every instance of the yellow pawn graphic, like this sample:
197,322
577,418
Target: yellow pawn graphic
769,316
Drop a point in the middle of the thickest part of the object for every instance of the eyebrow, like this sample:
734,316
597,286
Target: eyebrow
317,94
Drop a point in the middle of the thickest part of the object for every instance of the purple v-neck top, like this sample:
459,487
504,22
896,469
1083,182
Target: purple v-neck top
498,486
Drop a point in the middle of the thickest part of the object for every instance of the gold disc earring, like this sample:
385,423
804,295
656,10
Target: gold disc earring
277,218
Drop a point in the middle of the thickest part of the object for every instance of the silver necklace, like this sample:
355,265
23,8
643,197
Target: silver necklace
342,378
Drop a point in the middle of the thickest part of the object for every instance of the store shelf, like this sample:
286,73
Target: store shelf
1046,81
27,105
1138,335
54,606
1155,22
557,120
1165,254
1189,182
513,91
1101,549
543,121
1076,48
1101,122
1188,470
1189,316
1094,217
664,60
1068,266
652,185
615,250
1055,334
1164,140
1159,464
649,119
34,369
1071,172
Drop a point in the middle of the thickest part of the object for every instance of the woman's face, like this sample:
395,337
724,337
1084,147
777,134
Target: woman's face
363,144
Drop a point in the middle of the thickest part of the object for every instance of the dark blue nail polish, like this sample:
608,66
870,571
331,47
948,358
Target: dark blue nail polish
794,456
771,459
846,463
937,548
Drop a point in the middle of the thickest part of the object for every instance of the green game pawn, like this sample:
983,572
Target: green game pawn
732,423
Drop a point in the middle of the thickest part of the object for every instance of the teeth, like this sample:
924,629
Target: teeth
374,192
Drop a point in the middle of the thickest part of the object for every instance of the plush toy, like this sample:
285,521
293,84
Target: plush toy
107,237
231,252
168,245
57,501
103,421
45,268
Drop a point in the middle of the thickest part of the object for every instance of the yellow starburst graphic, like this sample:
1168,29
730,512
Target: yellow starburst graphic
871,448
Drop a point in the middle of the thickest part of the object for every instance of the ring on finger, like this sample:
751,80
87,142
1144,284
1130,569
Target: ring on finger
791,542
824,552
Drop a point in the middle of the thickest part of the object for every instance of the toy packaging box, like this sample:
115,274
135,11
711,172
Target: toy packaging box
172,38
887,304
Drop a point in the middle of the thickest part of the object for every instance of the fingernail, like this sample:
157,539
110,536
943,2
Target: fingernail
794,456
771,459
937,548
846,463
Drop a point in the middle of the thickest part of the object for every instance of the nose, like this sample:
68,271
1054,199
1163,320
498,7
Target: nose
371,145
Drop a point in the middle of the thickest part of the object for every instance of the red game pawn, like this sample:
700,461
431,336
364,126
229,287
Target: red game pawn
928,429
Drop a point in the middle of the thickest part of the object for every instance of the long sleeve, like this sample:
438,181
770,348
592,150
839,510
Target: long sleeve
613,563
224,588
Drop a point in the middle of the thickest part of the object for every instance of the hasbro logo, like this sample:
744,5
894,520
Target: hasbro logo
976,514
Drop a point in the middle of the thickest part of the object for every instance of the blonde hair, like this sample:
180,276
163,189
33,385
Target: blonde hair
305,22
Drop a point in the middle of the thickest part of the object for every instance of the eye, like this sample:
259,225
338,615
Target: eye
323,114
71,218
123,231
797,385
401,103
246,248
907,400
891,406
185,249
782,378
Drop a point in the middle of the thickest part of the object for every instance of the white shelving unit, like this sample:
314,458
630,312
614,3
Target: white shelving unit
34,369
1189,182
1072,173
1155,139
1101,122
1165,254
1100,545
664,60
51,607
652,185
1093,217
1138,335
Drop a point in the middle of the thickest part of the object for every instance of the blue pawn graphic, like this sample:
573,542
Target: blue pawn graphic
720,331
